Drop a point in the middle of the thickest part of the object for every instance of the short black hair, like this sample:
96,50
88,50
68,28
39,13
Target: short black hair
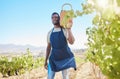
56,14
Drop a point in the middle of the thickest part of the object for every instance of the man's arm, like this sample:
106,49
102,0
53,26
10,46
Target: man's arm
48,49
70,38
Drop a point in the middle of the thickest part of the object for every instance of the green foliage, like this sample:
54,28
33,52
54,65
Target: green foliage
20,64
104,37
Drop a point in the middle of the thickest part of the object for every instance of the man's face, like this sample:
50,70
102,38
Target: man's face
55,19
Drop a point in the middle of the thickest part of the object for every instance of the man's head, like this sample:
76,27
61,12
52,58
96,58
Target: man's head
55,18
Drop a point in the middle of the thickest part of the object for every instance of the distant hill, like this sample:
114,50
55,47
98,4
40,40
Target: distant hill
18,49
12,48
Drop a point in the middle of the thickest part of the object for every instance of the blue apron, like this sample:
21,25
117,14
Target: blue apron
61,56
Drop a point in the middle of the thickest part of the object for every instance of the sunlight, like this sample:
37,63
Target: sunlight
90,2
117,9
102,3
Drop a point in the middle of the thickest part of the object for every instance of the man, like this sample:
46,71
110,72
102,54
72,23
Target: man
60,56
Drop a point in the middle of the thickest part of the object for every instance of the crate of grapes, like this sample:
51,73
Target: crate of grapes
66,16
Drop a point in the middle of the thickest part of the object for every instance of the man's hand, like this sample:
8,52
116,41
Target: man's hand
70,23
46,65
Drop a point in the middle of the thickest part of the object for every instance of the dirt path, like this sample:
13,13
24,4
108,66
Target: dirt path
83,72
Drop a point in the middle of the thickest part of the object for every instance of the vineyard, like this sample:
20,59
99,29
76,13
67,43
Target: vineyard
27,67
101,60
18,65
104,36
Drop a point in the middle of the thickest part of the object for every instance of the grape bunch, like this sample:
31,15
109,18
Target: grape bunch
66,18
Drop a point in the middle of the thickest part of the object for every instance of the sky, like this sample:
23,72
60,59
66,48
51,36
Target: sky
25,22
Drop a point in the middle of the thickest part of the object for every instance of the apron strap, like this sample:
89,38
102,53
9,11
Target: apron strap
61,29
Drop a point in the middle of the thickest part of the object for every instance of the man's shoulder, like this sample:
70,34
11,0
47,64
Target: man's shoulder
49,32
